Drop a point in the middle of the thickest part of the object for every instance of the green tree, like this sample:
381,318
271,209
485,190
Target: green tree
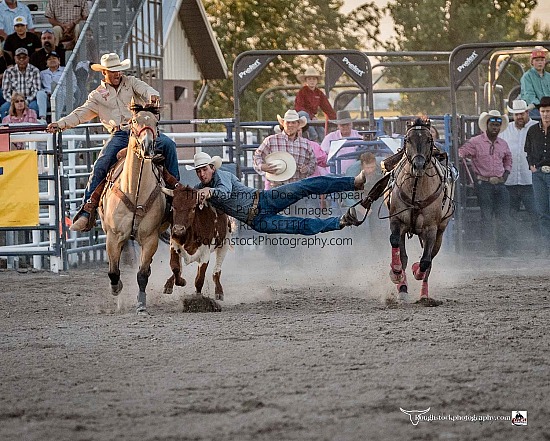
242,25
442,25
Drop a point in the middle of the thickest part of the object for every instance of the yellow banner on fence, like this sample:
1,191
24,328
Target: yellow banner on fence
19,189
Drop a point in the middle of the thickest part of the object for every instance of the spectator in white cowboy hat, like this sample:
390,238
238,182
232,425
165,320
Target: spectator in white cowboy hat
344,123
535,83
492,161
289,141
260,209
22,37
110,102
23,78
520,182
309,99
538,158
9,10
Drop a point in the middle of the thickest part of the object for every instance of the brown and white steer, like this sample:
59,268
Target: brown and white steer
197,231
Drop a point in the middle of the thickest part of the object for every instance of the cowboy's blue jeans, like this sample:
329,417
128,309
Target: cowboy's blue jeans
273,201
118,141
541,188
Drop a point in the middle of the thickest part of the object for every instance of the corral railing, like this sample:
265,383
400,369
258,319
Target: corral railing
64,167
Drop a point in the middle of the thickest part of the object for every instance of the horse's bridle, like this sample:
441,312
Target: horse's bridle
137,134
410,159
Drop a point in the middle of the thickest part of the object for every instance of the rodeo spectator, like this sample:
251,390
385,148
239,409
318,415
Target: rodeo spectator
23,78
287,141
519,183
67,19
344,122
309,99
50,79
6,61
9,9
538,158
21,37
492,162
535,83
38,59
19,112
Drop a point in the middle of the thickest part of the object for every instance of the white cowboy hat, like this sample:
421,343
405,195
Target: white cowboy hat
485,116
111,62
519,106
201,159
292,115
309,72
343,117
286,166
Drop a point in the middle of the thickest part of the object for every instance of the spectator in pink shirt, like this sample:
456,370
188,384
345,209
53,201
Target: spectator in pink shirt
491,161
309,99
344,123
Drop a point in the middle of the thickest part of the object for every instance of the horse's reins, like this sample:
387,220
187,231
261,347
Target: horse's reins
142,158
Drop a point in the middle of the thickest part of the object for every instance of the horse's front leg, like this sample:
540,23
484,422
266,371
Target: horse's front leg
421,270
148,249
398,255
114,249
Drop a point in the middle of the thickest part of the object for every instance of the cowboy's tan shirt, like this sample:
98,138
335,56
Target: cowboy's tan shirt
110,104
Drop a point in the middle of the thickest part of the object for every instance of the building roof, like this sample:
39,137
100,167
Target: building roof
192,16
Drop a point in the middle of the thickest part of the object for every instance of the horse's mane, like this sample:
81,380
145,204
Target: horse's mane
135,108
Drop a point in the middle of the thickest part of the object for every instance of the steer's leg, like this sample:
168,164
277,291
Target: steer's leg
199,279
220,256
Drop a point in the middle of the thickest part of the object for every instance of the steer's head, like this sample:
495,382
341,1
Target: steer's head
184,205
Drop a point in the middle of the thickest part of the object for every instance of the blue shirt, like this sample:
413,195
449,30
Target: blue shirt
7,16
230,195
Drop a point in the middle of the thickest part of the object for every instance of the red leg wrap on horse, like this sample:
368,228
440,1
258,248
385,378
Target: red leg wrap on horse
396,260
418,275
424,290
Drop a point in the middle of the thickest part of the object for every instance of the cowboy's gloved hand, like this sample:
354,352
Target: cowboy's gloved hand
203,194
505,176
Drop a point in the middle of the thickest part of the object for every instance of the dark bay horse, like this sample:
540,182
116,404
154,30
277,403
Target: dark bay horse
420,203
133,205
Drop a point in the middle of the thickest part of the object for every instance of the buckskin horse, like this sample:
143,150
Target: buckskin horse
133,205
420,203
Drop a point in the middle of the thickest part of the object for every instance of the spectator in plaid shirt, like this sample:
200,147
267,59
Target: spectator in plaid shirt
23,78
67,18
287,141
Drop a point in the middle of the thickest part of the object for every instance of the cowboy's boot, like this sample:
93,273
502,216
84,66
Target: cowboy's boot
86,216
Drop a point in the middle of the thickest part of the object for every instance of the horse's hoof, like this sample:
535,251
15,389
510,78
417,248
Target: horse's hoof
429,302
418,275
403,294
397,277
200,303
115,289
141,310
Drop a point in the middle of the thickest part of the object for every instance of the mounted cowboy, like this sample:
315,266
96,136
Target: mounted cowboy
110,102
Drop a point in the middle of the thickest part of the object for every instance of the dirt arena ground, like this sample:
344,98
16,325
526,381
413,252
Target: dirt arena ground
304,349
